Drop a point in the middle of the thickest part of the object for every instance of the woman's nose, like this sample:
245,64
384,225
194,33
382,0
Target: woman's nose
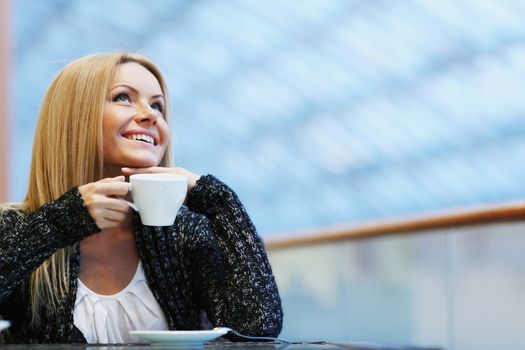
146,115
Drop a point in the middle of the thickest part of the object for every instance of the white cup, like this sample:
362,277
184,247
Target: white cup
157,197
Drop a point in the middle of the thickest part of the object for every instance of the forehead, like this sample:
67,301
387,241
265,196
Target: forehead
136,76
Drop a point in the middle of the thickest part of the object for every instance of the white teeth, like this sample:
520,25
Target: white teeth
141,137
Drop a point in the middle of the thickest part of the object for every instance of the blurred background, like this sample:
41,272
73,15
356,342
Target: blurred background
317,112
330,112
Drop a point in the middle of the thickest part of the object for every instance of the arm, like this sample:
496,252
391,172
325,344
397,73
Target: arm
235,280
26,241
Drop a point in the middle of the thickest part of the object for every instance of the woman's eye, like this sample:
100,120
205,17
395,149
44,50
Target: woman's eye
122,97
158,106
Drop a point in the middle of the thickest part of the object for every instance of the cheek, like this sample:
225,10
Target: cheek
107,129
164,132
106,138
112,121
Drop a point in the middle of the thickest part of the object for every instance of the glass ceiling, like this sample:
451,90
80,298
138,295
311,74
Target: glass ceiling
317,112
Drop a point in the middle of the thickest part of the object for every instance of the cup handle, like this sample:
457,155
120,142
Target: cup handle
131,204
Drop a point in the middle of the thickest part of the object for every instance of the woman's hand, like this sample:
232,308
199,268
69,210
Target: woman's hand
192,178
102,202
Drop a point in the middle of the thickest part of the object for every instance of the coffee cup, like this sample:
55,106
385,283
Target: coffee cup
157,197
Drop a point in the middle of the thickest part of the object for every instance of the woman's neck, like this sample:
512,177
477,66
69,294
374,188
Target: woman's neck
110,241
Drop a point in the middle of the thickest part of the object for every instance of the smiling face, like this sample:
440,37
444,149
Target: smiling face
135,133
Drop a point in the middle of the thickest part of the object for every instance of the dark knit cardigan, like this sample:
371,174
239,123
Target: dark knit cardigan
211,260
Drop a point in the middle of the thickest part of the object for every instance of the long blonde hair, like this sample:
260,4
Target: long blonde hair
68,151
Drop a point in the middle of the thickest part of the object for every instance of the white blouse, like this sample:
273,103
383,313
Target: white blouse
107,319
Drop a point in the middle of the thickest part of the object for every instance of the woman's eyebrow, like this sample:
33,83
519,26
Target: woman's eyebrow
134,90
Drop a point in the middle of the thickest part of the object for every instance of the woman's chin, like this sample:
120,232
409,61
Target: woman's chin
143,162
132,164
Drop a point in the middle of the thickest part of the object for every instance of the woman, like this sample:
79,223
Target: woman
77,265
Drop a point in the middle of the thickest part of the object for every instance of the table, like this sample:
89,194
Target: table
221,346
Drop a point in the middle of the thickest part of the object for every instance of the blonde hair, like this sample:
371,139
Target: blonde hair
68,151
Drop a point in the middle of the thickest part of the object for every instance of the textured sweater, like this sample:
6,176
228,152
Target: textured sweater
210,260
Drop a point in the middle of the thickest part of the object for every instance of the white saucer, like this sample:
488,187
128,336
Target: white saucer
4,325
186,339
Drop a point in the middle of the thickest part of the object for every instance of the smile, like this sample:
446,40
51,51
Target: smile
141,137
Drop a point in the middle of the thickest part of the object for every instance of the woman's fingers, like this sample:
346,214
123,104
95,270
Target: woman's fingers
102,199
108,212
120,188
115,204
114,215
113,179
103,223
